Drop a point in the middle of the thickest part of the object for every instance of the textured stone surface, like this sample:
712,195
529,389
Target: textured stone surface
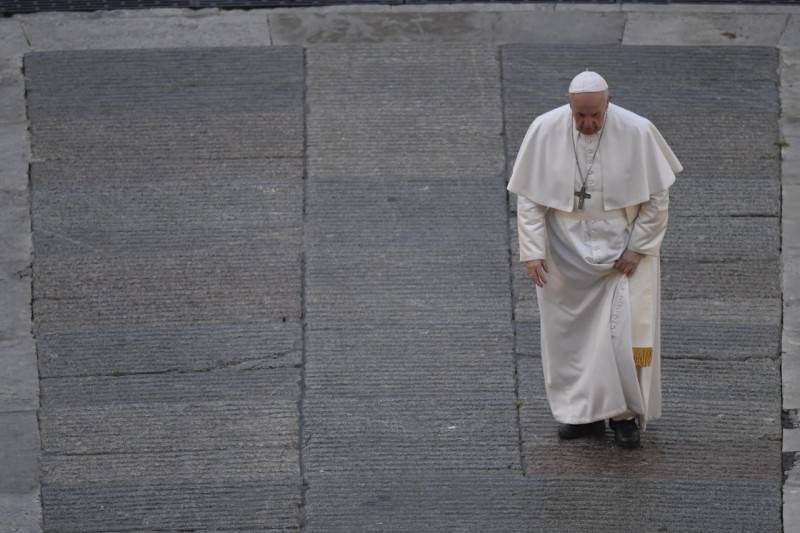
22,513
12,38
315,27
408,110
135,29
167,287
15,232
12,90
572,27
19,379
691,29
19,452
791,35
407,293
186,104
15,307
14,156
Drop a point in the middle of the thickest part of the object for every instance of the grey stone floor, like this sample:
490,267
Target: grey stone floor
276,287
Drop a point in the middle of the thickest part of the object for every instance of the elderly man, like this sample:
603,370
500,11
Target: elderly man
592,182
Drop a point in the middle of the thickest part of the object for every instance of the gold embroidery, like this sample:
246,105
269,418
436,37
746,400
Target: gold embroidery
642,356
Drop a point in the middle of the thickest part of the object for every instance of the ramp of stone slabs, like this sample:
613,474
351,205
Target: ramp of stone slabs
409,411
167,216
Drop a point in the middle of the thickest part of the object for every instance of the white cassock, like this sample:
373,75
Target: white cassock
600,330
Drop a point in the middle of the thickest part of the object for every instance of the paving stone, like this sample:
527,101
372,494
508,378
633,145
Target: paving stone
15,303
173,490
405,249
546,27
305,27
140,29
22,513
19,378
691,29
422,499
14,156
19,452
791,499
12,90
15,232
399,301
791,440
406,288
791,35
728,329
204,113
750,278
407,110
706,239
168,289
790,362
206,432
13,42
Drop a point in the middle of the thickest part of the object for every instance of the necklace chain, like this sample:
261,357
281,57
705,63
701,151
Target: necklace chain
591,163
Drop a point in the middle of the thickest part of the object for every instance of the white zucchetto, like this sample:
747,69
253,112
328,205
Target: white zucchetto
587,82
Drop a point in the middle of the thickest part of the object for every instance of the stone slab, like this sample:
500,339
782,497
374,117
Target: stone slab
790,363
717,29
12,91
168,287
558,27
729,329
132,29
204,410
423,291
742,279
791,497
169,491
309,28
15,303
405,111
80,349
206,112
22,513
19,452
14,156
707,239
15,232
423,499
791,440
19,376
13,42
791,35
406,289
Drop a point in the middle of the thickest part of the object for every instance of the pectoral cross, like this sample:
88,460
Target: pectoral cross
582,195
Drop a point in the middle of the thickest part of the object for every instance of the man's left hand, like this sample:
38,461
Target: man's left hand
628,262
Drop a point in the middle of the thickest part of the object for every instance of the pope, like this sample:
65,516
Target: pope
592,183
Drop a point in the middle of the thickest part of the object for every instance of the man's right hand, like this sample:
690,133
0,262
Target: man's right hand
536,270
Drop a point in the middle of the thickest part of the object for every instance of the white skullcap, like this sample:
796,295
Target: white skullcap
587,82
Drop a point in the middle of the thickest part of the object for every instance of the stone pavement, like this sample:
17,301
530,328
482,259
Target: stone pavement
261,271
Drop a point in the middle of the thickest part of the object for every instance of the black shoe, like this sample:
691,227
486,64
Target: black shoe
574,431
626,434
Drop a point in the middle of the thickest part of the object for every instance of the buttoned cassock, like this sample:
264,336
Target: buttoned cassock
600,330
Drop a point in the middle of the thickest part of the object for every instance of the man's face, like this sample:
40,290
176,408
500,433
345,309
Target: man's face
589,110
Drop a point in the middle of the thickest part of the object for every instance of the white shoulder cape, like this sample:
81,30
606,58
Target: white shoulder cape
637,161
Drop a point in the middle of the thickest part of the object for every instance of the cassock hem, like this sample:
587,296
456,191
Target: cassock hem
608,415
